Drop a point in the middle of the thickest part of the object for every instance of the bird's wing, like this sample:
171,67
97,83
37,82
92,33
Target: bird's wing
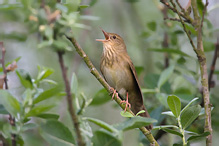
134,73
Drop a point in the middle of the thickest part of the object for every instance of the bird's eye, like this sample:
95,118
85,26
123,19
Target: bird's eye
114,37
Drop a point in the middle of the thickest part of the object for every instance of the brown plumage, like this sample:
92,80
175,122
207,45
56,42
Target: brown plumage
119,71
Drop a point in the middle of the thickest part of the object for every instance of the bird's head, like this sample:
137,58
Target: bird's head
112,40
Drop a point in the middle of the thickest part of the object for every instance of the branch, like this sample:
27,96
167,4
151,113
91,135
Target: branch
11,119
69,100
174,9
211,83
97,75
203,69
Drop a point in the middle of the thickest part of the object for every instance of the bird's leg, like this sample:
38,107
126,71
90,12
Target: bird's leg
126,102
114,93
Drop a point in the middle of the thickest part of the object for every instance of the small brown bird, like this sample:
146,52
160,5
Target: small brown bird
119,72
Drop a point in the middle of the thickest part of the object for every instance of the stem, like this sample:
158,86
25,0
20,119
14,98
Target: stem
97,75
11,119
203,68
69,100
182,131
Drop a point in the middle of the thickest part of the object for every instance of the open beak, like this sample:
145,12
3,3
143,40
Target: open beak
107,38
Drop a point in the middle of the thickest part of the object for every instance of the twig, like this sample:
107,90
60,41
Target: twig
203,12
174,9
165,38
175,19
184,28
211,83
11,119
69,100
94,71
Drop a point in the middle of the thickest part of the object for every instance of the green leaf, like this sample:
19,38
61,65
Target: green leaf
172,131
200,7
189,104
165,75
191,29
101,124
28,126
174,105
37,110
140,112
10,103
169,113
198,136
169,50
44,72
165,126
57,133
3,110
189,115
47,94
74,84
101,97
135,122
25,78
10,62
49,32
126,114
208,46
152,25
104,138
83,6
48,116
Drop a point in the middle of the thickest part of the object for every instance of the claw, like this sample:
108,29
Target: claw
114,93
126,102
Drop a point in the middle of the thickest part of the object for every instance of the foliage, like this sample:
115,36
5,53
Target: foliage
38,106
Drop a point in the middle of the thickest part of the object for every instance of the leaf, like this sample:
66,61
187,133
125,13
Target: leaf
172,131
135,122
200,6
174,105
25,78
189,104
140,112
74,84
165,75
10,62
83,6
169,113
169,50
164,126
198,136
28,126
3,110
101,124
44,73
101,97
152,25
47,94
189,115
57,132
37,110
190,29
104,138
48,116
10,103
126,114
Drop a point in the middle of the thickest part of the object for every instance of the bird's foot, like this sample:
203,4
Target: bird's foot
126,102
114,93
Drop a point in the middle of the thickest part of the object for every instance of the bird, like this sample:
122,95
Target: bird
119,72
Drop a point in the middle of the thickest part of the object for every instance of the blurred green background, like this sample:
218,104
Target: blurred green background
141,25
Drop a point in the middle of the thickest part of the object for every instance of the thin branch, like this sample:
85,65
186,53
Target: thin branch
184,27
204,12
211,83
174,9
175,19
69,100
182,9
204,73
11,119
97,75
